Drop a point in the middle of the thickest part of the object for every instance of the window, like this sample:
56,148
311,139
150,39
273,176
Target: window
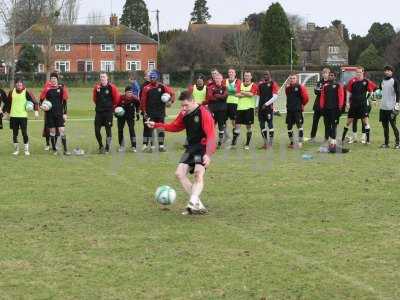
333,50
62,66
89,66
40,68
132,47
107,47
151,65
63,47
107,66
133,65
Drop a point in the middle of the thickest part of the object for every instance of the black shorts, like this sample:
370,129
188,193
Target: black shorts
54,120
231,111
16,123
103,119
332,115
193,156
294,117
386,116
265,115
245,117
359,112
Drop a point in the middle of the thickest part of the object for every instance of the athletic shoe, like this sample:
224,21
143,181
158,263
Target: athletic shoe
397,146
312,141
291,146
363,139
162,149
384,146
101,150
191,211
67,153
121,149
26,150
46,148
247,148
350,140
264,147
133,149
16,152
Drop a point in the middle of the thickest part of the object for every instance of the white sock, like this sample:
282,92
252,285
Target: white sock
195,200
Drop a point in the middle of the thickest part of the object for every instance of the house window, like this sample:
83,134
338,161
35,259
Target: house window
40,68
151,65
63,47
333,50
62,66
132,47
89,66
107,47
133,65
107,66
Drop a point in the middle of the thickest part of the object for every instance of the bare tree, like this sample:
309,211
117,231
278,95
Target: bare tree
241,48
96,17
70,11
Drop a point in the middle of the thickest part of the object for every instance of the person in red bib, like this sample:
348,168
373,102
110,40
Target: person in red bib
200,146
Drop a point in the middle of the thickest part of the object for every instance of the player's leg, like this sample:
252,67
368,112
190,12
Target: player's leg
24,131
299,125
121,126
263,128
290,123
97,130
197,187
367,130
249,135
132,133
181,174
108,137
270,122
393,124
63,138
15,129
220,117
53,139
314,127
236,129
346,128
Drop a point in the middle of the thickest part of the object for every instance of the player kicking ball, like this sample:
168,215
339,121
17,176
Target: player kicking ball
201,144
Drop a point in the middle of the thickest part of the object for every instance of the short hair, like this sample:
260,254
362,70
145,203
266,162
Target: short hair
200,76
292,74
361,68
103,73
326,69
18,79
389,68
128,89
248,72
54,75
185,95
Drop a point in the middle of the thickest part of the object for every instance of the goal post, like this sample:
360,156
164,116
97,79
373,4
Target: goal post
308,79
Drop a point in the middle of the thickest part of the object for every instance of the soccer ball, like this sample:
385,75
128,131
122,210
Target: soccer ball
29,106
165,97
46,105
165,195
378,94
119,111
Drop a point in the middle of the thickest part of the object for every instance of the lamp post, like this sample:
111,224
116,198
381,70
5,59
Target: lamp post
291,54
91,55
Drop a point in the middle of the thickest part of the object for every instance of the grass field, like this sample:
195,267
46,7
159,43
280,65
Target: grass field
279,227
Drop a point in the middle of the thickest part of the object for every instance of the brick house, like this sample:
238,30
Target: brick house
95,48
322,46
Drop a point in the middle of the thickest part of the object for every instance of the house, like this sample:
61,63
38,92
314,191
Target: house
216,32
95,48
322,46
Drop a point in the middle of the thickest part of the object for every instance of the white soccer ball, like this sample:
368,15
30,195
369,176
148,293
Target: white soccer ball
119,111
165,97
165,195
46,105
29,106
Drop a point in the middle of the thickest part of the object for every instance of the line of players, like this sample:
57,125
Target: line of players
229,99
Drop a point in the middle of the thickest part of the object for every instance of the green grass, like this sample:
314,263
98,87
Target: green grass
279,227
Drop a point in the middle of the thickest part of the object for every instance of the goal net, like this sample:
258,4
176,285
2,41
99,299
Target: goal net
308,79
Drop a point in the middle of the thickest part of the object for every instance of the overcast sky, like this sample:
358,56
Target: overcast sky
357,15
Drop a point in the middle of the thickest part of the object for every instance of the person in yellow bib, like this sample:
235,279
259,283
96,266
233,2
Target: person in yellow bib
17,107
245,109
232,85
198,90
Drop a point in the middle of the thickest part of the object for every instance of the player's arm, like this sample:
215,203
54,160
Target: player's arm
143,100
304,96
318,89
7,103
209,96
341,96
322,99
209,130
94,94
275,92
175,126
115,95
396,90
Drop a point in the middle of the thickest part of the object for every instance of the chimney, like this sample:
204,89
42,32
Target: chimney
340,28
114,20
311,26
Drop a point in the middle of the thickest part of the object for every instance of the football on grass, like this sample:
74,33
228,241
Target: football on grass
165,195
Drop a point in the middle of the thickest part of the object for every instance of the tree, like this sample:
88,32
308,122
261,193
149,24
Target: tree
135,15
254,21
392,53
168,35
357,44
241,48
275,37
381,35
296,22
200,14
338,24
370,59
29,58
188,51
95,17
70,11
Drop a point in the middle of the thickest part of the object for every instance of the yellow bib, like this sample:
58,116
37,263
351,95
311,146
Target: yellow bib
199,95
18,105
246,103
231,88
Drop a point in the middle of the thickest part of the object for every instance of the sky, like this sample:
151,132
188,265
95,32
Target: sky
176,13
